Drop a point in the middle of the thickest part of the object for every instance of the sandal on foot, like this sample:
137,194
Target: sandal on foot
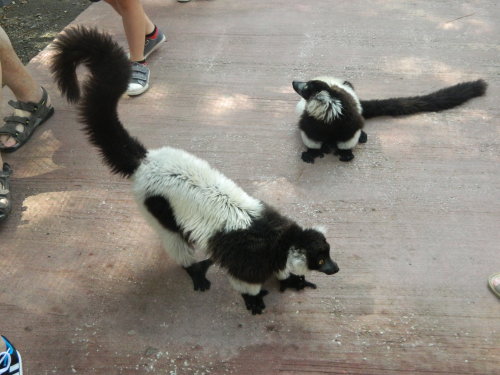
494,283
5,204
39,113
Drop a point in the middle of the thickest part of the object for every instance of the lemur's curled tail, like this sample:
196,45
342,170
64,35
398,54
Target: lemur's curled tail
440,100
110,72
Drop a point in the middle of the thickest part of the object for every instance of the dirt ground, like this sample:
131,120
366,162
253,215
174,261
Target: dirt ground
33,24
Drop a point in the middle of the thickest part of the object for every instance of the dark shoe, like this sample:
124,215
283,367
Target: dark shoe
152,44
139,81
39,113
10,360
5,202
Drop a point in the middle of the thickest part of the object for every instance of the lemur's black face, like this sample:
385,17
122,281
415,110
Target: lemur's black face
318,252
310,88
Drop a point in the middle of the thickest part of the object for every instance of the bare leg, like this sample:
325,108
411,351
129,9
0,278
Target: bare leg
19,80
135,23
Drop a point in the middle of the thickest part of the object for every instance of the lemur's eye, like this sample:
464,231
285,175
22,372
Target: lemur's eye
321,262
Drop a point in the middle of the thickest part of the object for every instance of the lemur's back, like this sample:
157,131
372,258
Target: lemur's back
202,199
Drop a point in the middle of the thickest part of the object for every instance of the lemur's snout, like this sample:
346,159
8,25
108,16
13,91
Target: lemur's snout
298,87
330,267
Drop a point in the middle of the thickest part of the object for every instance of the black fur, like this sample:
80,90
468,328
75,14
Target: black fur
440,100
255,303
254,254
109,75
161,209
295,282
197,272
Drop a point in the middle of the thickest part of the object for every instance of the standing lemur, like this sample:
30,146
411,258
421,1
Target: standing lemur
332,115
182,197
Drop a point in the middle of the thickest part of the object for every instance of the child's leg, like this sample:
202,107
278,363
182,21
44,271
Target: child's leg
135,23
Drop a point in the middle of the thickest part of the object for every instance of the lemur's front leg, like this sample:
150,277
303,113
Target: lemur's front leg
252,294
255,304
313,153
197,271
295,282
345,155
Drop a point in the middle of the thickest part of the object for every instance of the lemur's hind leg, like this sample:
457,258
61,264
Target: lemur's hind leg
197,271
180,250
363,137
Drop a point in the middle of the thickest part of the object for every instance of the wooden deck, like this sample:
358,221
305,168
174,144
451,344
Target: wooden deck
414,220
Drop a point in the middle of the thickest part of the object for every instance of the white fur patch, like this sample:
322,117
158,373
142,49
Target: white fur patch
301,106
243,287
203,200
320,228
296,263
323,107
351,143
332,81
309,142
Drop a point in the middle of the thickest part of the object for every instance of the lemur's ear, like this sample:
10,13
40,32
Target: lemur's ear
347,83
320,228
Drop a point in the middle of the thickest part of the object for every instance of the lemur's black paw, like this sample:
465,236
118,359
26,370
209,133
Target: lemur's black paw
255,304
197,273
201,284
345,155
307,157
295,282
363,137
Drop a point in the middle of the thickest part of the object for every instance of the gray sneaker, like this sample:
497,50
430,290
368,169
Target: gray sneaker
152,44
139,81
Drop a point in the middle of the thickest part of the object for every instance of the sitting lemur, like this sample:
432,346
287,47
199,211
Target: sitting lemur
332,116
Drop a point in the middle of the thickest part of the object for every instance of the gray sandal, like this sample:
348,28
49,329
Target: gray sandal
39,113
5,203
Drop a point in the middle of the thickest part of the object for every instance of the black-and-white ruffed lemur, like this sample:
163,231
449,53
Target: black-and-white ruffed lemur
186,201
332,116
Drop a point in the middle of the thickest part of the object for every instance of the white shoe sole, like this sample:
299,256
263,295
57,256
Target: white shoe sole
139,90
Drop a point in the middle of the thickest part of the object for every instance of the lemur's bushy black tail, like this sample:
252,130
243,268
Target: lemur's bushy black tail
446,98
109,76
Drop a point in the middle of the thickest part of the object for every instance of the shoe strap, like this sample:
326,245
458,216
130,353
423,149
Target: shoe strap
30,106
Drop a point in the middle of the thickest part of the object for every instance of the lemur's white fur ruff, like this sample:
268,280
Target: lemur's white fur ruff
332,81
296,263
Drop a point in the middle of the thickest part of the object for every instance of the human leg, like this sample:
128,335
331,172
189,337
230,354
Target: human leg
33,104
136,24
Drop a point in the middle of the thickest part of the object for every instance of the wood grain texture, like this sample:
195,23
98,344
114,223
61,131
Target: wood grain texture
413,221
